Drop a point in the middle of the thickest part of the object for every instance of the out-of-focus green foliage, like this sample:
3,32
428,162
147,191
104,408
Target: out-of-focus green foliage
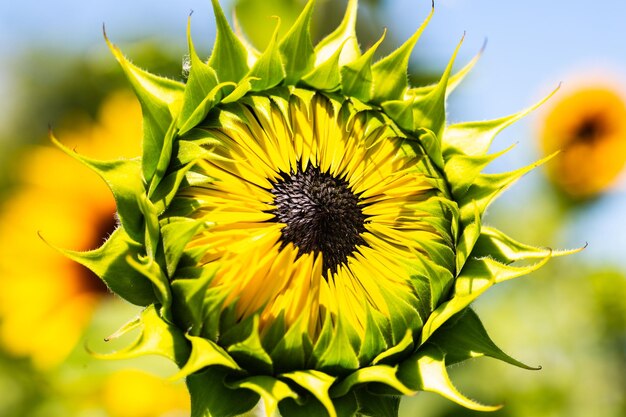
54,87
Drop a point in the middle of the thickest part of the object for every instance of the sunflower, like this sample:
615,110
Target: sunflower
589,125
304,228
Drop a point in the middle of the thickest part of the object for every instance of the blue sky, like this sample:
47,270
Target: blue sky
533,45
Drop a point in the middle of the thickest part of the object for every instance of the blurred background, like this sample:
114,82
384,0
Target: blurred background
570,317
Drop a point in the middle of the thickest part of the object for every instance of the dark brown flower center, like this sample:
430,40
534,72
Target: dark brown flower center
591,129
320,213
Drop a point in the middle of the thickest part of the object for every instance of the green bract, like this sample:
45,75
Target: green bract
304,228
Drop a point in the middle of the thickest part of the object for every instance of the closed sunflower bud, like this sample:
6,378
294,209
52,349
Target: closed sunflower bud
304,228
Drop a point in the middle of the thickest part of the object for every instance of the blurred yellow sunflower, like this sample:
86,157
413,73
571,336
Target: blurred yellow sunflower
133,393
589,126
45,299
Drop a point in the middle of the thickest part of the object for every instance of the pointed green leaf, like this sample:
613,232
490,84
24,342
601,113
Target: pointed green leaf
205,353
234,329
177,233
356,76
504,249
202,80
275,333
317,383
109,263
426,371
251,16
379,374
461,169
169,186
189,295
494,243
432,146
440,253
125,329
323,339
390,73
377,405
374,339
486,187
477,276
296,48
422,285
268,70
293,347
271,390
151,270
475,138
472,276
192,147
326,76
340,354
345,406
402,315
123,178
404,345
343,38
400,111
156,338
250,352
158,89
308,407
439,279
211,397
467,338
242,88
429,112
253,53
212,312
467,241
165,156
152,230
230,57
204,107
453,82
159,98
